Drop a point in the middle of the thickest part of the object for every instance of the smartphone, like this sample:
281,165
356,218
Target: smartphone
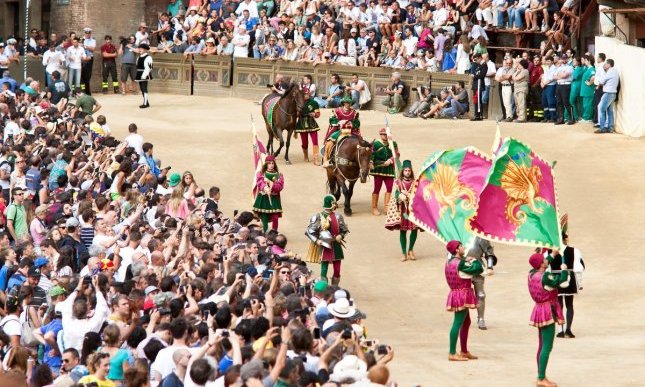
206,313
316,333
225,333
382,350
267,273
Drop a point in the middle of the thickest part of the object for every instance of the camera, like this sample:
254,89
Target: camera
164,311
382,350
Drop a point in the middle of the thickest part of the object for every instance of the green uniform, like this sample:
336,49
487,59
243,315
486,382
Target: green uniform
380,154
269,204
574,96
587,92
307,123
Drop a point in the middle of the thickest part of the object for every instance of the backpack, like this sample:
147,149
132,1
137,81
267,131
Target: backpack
54,213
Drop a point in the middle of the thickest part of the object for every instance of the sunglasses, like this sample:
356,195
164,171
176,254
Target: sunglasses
284,272
18,194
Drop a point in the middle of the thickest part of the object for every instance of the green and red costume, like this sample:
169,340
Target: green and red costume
267,203
308,127
353,124
543,288
461,297
402,195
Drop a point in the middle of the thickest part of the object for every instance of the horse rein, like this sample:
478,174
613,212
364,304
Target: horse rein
341,161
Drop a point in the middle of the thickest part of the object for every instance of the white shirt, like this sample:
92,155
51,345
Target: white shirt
410,45
492,70
241,45
135,141
74,57
164,364
53,61
74,330
11,129
439,17
600,73
126,254
89,43
252,6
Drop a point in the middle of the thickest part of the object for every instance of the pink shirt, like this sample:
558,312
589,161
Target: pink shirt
182,211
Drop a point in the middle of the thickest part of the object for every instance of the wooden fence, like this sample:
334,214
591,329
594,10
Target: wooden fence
223,76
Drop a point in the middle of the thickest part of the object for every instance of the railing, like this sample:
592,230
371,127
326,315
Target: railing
223,76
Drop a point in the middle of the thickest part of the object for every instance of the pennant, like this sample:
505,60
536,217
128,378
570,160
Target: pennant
518,204
446,193
259,154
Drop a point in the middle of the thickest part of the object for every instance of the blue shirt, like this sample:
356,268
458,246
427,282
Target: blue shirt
11,82
216,5
54,327
251,23
4,271
32,180
16,279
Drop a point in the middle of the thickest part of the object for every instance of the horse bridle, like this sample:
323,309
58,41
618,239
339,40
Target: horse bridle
341,161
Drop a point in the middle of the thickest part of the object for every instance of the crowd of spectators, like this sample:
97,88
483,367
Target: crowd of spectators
117,271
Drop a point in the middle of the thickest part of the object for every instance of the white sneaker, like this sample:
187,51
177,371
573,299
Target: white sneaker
481,324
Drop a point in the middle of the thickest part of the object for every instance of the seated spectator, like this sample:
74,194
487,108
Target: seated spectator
422,104
359,92
210,48
438,104
397,95
225,47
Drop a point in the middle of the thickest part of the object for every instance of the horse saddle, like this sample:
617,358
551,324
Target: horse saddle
337,160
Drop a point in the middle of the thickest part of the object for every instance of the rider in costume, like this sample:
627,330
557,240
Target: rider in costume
543,288
459,271
402,195
308,127
326,231
269,183
383,169
343,120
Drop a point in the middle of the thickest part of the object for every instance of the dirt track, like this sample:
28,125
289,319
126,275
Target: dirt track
601,185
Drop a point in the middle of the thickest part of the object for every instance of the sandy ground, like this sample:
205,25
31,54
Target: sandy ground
601,185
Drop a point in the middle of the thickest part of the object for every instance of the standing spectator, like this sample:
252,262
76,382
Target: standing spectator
521,88
142,36
89,44
462,64
58,90
600,73
535,90
108,53
548,90
505,78
491,70
480,68
241,41
128,50
17,216
53,60
587,88
397,95
563,76
576,85
609,83
4,59
74,57
175,7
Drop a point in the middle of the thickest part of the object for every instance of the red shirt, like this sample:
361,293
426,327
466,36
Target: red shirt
535,75
110,49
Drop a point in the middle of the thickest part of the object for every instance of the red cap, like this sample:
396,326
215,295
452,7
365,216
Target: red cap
536,260
148,304
269,158
452,246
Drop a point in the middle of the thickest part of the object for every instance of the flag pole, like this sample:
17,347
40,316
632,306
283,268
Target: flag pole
390,142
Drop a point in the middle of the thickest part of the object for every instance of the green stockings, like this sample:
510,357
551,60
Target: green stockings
324,266
456,326
403,240
265,221
547,335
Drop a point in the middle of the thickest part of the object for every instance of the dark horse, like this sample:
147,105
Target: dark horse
351,162
284,114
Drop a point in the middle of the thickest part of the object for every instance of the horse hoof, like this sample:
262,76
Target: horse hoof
287,162
348,212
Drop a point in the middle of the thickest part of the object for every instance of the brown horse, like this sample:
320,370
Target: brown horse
351,159
280,113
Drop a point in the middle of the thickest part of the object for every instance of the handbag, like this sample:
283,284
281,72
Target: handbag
27,337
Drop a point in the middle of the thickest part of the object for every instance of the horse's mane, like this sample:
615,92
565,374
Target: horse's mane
289,89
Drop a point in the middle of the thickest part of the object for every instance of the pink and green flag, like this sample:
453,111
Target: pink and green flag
518,204
447,193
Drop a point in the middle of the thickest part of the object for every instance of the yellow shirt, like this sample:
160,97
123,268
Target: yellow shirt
97,129
94,379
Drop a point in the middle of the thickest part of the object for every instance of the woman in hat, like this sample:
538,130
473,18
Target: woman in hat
543,288
402,196
326,231
144,72
459,270
344,120
307,125
269,183
383,170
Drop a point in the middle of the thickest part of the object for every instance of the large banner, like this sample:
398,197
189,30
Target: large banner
446,193
518,204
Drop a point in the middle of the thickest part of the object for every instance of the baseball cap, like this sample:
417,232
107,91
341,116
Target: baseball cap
72,222
40,262
87,29
320,286
34,272
150,289
1,44
57,291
